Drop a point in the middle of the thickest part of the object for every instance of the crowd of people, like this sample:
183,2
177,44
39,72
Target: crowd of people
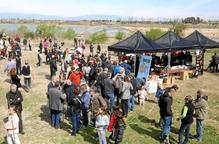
98,92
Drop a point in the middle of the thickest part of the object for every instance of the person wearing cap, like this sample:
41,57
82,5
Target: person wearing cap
186,120
201,112
26,72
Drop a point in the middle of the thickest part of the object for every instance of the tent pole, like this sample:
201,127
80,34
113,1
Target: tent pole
169,60
135,64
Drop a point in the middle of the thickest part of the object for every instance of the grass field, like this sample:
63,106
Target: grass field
142,125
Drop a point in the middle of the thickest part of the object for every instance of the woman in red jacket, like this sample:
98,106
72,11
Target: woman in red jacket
76,76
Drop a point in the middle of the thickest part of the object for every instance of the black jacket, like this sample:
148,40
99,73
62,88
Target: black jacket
76,104
15,99
189,116
16,80
165,104
108,86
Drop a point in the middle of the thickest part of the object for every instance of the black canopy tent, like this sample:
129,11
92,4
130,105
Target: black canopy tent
202,41
136,43
172,42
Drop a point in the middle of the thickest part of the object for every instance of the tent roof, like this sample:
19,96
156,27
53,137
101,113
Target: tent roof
136,43
202,41
172,41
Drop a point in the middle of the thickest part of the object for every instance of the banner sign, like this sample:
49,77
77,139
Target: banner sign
144,67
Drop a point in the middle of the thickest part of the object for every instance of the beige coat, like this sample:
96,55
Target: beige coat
201,109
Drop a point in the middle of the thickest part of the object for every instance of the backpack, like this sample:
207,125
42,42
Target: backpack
118,85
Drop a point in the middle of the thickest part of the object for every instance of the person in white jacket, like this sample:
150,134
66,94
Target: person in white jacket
12,127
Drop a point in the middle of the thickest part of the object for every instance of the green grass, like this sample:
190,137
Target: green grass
141,124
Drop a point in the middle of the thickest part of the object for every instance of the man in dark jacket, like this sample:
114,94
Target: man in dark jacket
76,105
165,104
108,90
14,97
136,85
85,99
53,66
56,100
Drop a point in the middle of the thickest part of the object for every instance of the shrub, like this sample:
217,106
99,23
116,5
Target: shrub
120,36
154,33
29,35
98,37
22,30
69,34
46,30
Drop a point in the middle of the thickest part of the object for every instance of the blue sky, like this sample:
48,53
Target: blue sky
135,8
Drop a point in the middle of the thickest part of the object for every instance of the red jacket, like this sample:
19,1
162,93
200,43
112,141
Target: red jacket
76,78
112,123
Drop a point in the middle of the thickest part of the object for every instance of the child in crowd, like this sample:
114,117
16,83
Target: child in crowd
119,127
12,127
113,122
101,124
159,92
143,95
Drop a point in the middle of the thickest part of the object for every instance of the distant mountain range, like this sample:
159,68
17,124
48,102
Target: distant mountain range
77,18
49,17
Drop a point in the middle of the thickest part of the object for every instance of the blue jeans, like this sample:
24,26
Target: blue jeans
199,129
167,121
131,103
184,128
55,118
76,122
111,100
102,136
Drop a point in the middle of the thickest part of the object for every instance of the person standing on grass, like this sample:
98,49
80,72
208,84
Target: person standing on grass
201,112
119,127
143,95
12,126
53,66
85,99
25,43
39,58
186,119
108,91
56,100
76,105
26,72
136,85
30,44
15,98
165,104
126,88
18,64
102,123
